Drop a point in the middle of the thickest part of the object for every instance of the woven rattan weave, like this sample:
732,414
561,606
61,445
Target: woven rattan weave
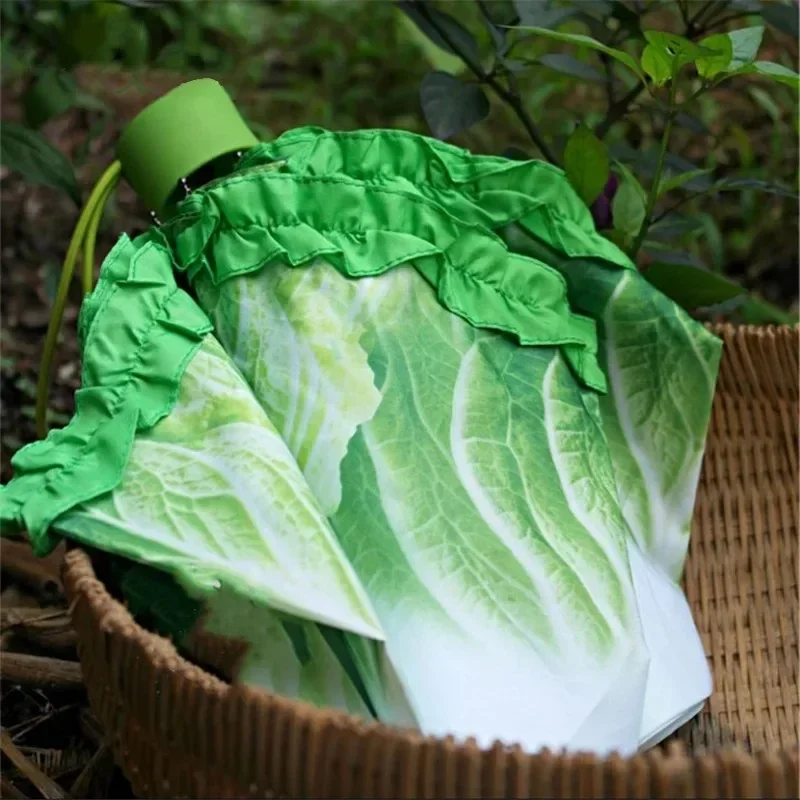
178,731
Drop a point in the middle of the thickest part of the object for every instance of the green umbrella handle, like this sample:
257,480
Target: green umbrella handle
179,133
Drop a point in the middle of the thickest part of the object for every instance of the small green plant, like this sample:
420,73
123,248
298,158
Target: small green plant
641,67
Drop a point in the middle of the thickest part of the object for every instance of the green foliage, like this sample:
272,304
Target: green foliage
586,163
715,83
689,286
30,154
450,105
587,41
629,208
670,74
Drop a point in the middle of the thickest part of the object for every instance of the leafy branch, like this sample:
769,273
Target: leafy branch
436,20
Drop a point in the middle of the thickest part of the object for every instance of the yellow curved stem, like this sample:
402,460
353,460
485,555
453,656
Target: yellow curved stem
87,224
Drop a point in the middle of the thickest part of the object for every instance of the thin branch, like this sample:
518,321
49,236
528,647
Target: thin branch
725,20
510,98
684,12
662,154
693,25
618,110
46,785
40,671
678,203
528,123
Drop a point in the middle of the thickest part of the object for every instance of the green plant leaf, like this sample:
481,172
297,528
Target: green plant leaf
740,184
768,69
628,176
691,287
587,41
713,240
499,12
53,93
586,163
765,101
435,56
29,153
645,163
136,45
757,311
710,66
93,32
673,227
498,37
676,181
666,254
451,106
776,72
657,64
745,43
677,49
628,208
569,65
430,20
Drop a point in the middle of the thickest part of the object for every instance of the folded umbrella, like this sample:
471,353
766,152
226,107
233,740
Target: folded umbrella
499,420
170,461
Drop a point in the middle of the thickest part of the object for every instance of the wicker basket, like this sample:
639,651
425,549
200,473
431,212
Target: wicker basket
178,731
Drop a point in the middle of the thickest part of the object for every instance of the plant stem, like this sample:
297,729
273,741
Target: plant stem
683,12
678,203
511,98
662,154
617,111
692,24
515,103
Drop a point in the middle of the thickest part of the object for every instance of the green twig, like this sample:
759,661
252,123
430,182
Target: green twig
682,202
662,155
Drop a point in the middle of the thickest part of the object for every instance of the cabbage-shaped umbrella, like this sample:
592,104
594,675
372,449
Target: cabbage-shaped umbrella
500,423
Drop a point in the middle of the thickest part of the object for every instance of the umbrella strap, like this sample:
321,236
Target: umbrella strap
83,239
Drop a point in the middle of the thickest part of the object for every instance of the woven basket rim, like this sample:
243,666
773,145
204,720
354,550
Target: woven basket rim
113,619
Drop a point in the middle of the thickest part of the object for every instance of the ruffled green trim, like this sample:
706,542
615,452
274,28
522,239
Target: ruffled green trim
139,332
488,190
238,225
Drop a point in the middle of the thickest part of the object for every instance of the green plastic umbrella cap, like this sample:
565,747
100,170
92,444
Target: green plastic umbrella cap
178,134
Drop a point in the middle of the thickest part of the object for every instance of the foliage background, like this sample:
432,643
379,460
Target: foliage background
77,71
